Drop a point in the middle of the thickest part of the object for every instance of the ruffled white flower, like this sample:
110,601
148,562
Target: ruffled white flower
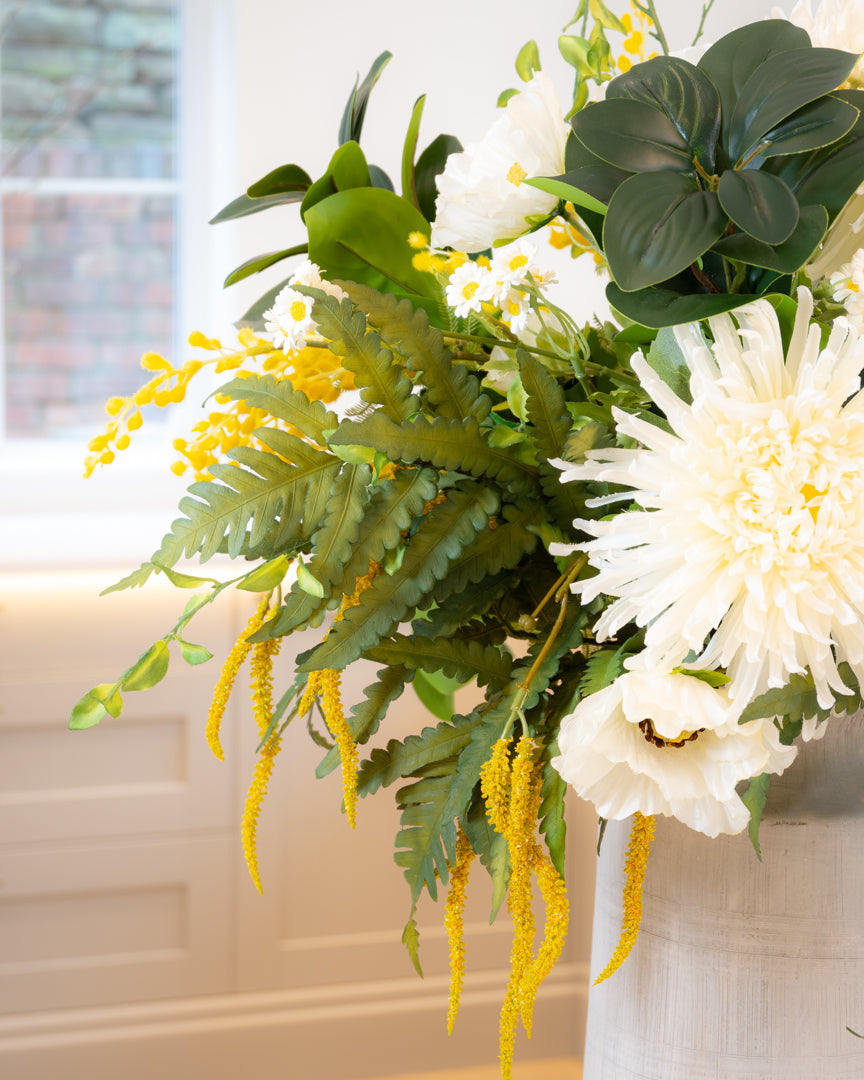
843,239
837,24
469,285
847,284
750,549
481,197
665,744
289,322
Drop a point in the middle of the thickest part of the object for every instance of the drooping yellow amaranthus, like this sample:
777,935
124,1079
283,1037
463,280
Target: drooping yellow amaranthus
636,862
222,692
512,795
315,371
261,686
326,684
454,922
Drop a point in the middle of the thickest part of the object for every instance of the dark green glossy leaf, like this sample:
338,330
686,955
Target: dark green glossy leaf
437,699
731,61
779,87
657,224
786,257
684,93
662,307
633,135
380,179
351,124
287,178
323,188
243,206
261,262
760,204
818,124
362,235
429,167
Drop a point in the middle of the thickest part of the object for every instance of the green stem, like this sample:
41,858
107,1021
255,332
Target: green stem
705,9
649,9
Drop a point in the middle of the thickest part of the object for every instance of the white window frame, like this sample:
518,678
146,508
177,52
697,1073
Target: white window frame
49,515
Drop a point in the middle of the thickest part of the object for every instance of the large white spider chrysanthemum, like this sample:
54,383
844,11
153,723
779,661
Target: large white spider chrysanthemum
750,548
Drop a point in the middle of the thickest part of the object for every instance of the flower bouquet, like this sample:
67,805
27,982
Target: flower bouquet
640,540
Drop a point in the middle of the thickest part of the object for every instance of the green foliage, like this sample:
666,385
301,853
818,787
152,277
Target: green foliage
464,661
400,760
367,714
552,823
796,702
754,798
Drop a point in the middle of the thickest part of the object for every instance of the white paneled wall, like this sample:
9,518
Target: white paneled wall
131,938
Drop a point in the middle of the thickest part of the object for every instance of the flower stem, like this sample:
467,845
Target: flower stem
649,9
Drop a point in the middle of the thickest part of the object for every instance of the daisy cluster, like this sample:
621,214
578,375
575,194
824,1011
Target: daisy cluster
505,283
289,323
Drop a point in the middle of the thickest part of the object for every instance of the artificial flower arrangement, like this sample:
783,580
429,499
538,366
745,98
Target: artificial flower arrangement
642,540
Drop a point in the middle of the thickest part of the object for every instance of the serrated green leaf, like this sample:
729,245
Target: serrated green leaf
667,359
400,760
754,798
450,388
452,445
376,372
279,398
601,670
426,842
411,941
193,654
438,541
148,669
459,660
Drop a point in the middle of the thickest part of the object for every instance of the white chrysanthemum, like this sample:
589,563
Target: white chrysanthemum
469,285
837,24
847,284
289,322
750,549
623,748
481,197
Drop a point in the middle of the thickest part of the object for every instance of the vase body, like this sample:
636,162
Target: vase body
743,970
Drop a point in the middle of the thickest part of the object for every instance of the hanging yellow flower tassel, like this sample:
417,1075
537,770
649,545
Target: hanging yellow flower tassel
454,923
225,685
554,893
327,684
636,862
261,684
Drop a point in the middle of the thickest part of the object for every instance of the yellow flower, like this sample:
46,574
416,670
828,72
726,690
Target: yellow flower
635,865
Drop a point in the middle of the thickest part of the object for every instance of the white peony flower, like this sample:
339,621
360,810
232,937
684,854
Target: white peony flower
665,744
469,285
837,24
750,549
481,197
848,289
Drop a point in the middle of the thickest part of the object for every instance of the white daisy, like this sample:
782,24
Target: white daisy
750,547
481,197
309,274
665,744
289,322
848,289
515,309
469,285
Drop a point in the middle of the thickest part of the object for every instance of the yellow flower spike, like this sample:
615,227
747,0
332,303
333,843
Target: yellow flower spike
313,688
261,685
554,893
417,240
144,396
454,922
495,786
337,725
200,341
635,864
428,263
178,467
152,361
225,685
115,405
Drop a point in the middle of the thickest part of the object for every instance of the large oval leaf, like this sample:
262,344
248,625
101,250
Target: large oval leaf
285,178
662,307
633,136
657,224
731,61
685,94
362,235
429,167
818,124
780,87
759,203
787,257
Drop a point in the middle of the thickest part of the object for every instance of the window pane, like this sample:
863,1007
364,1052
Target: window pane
87,89
89,286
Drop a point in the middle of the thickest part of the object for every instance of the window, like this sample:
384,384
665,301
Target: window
105,117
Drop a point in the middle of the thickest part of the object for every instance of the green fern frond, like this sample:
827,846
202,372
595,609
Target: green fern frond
426,842
461,660
279,398
461,607
376,371
459,446
367,714
403,759
601,670
453,390
440,538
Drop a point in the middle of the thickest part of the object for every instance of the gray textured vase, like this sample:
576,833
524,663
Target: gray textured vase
743,970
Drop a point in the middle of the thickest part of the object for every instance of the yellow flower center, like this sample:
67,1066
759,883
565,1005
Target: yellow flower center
469,288
651,736
297,311
516,174
517,262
